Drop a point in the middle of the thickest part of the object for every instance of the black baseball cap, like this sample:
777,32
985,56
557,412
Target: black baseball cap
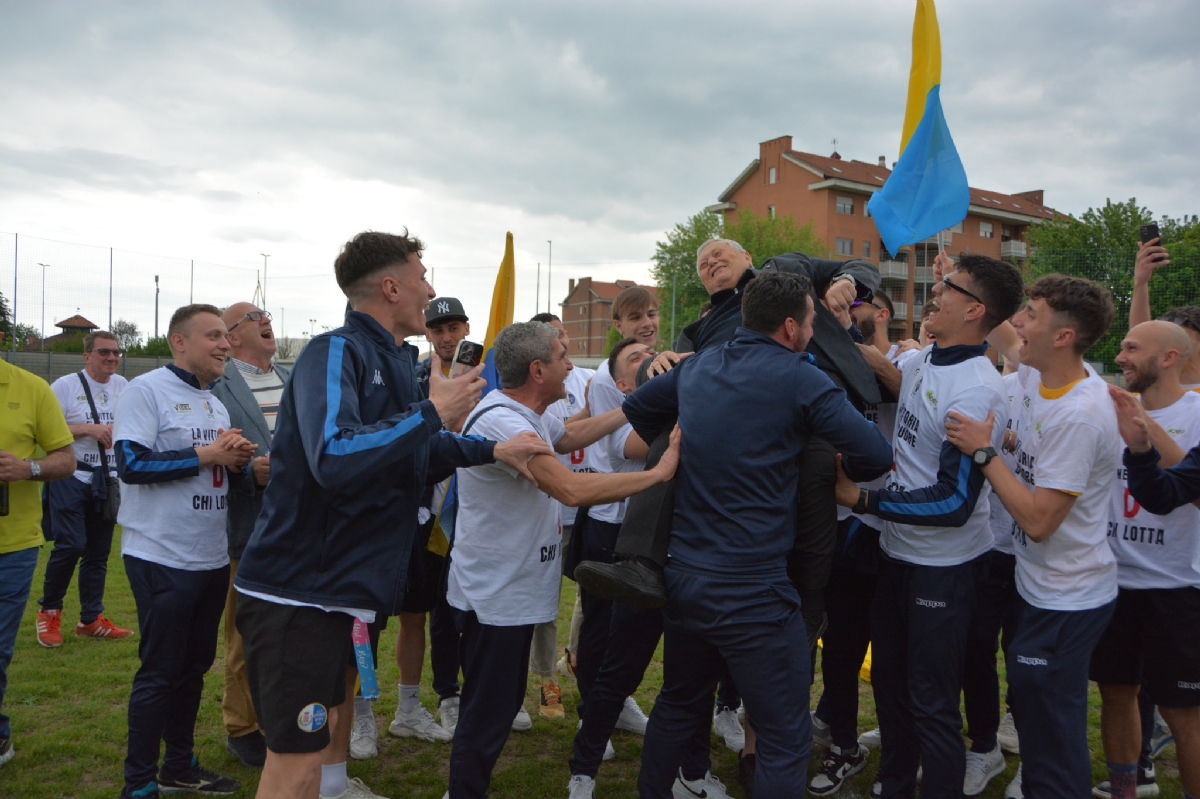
444,309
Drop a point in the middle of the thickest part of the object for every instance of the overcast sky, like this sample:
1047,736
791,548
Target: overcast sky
218,131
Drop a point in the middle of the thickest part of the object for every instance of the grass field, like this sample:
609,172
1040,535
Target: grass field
68,718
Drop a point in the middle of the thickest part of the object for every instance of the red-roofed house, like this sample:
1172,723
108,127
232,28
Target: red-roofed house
74,327
587,314
832,193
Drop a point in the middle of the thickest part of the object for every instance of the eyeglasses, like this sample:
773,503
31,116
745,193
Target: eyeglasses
105,353
857,303
961,290
253,316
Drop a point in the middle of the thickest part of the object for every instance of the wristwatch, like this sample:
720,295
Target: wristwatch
983,457
861,505
35,469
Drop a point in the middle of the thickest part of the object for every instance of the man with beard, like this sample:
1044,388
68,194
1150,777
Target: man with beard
1151,643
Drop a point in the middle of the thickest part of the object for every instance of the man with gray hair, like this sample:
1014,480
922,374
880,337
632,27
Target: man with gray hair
505,573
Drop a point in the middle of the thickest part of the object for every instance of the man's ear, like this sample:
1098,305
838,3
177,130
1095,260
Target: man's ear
1065,337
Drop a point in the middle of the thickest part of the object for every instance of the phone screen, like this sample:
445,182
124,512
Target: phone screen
466,357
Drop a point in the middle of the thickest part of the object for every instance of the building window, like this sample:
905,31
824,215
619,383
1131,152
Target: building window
845,205
583,310
581,346
845,247
866,249
985,230
1007,234
771,175
770,212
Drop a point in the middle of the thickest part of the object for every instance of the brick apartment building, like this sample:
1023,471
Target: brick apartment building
587,313
832,193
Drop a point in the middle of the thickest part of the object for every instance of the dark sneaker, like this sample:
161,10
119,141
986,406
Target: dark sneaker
838,767
147,791
631,581
746,764
7,753
250,749
197,780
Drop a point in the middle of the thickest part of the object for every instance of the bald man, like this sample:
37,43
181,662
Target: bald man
1152,643
250,389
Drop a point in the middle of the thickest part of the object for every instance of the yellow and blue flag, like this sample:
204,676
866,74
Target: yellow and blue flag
927,191
503,300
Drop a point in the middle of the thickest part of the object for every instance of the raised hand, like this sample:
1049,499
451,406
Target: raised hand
1131,420
1151,256
456,397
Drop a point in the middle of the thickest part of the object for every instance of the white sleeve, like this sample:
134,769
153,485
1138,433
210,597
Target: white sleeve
615,442
555,427
975,403
501,425
604,395
136,416
64,394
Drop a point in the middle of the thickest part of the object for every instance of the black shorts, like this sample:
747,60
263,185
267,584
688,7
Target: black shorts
296,669
426,573
1153,640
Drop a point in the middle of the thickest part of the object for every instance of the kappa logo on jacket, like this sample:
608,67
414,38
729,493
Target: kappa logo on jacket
378,378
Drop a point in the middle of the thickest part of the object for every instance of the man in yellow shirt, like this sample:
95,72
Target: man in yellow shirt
31,419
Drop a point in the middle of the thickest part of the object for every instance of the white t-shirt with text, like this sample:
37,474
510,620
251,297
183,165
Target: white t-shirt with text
507,535
68,390
1158,551
580,460
1068,442
180,523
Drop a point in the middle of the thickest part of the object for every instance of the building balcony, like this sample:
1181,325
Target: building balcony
923,274
897,270
901,310
1013,249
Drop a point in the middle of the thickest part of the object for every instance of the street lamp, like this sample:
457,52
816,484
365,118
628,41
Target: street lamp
312,327
156,306
549,269
44,268
264,285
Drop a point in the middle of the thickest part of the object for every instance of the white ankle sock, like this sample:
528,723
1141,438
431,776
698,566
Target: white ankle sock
410,697
362,707
333,779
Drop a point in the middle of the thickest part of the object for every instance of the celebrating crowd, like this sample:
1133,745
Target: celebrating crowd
783,488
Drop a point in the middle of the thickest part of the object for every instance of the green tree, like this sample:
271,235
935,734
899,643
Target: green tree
1102,244
680,291
5,322
155,345
611,339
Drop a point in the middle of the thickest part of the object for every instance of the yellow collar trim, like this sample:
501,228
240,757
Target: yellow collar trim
1057,393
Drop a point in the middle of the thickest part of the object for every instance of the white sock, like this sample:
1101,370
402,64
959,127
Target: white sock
362,707
333,779
410,698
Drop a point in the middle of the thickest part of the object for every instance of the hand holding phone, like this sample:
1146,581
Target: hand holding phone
1148,233
466,357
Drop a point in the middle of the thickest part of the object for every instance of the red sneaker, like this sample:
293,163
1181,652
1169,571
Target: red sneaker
101,628
49,623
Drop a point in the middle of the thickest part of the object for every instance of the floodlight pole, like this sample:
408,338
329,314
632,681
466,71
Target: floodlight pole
43,341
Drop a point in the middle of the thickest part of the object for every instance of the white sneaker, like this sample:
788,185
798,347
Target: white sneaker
870,739
632,719
522,723
418,724
1006,736
725,724
742,712
448,714
355,789
1013,791
707,788
581,787
822,735
981,768
364,734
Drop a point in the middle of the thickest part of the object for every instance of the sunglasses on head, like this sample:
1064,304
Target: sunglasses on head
253,316
961,290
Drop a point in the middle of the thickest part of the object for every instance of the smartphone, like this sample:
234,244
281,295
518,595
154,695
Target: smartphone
466,357
1149,233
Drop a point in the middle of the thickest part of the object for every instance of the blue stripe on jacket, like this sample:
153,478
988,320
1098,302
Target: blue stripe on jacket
333,399
947,503
138,465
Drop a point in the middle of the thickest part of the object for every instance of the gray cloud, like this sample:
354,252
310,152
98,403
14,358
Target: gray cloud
630,115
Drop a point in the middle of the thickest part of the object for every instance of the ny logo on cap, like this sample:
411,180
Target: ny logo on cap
443,307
